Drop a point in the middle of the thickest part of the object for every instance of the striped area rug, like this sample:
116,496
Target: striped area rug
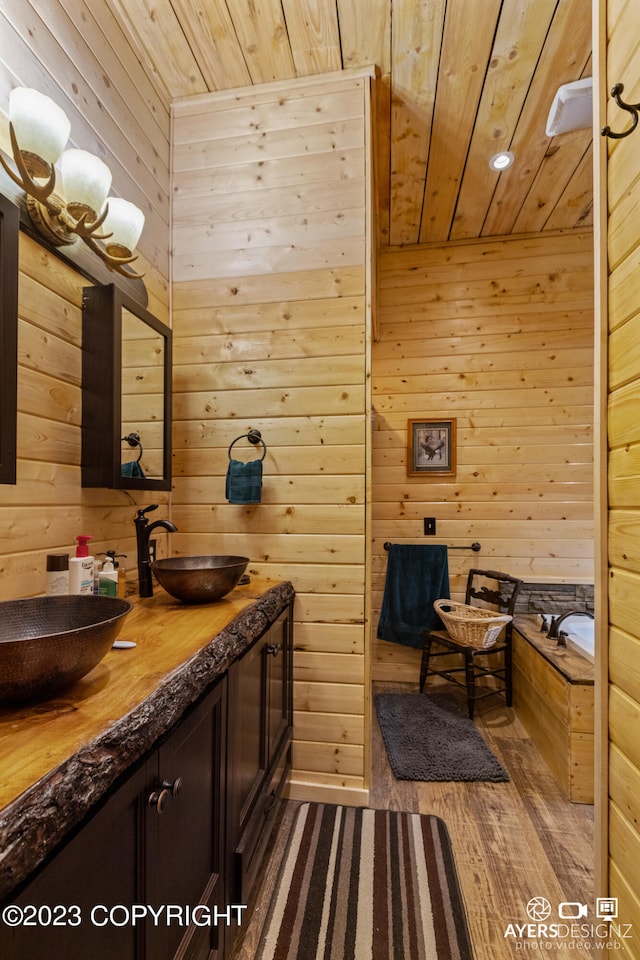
360,884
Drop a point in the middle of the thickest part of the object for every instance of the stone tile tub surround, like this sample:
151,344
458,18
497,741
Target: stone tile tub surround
554,598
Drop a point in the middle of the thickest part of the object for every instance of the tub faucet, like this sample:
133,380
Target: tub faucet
554,629
143,535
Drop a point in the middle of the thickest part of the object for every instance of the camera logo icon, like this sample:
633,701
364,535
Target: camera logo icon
572,910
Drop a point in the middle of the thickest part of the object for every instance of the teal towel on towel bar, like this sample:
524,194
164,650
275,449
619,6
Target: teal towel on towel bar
244,481
417,575
132,469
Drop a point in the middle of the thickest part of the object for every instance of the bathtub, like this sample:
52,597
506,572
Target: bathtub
553,697
580,634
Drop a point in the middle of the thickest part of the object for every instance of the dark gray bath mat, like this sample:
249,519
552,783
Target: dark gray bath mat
432,738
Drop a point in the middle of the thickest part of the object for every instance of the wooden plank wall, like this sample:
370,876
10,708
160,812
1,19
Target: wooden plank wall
499,335
78,56
271,323
624,491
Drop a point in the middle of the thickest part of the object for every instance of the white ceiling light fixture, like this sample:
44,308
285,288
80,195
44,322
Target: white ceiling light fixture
572,107
500,161
80,207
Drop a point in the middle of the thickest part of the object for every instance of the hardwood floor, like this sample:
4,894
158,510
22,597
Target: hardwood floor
511,841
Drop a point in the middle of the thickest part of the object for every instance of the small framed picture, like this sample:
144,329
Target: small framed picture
431,448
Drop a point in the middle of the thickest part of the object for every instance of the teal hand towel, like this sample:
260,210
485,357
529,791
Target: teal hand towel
417,575
132,469
244,481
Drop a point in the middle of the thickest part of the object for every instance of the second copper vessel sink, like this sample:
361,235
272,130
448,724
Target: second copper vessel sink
202,579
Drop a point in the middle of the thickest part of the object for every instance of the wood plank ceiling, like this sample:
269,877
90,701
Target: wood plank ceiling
459,81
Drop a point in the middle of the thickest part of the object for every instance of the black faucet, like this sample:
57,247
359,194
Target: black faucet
554,632
143,534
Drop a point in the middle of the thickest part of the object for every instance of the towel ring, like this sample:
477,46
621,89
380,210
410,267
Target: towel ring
133,439
254,437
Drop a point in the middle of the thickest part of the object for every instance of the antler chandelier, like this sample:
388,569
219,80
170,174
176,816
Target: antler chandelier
109,226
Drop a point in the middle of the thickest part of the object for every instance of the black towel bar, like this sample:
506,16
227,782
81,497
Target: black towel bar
475,546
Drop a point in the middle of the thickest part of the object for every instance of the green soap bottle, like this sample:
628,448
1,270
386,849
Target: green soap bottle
108,579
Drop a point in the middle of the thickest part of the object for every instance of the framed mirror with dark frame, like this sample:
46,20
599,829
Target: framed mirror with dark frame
126,393
9,230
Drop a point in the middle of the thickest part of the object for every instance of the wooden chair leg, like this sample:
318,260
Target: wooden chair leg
471,685
424,663
508,685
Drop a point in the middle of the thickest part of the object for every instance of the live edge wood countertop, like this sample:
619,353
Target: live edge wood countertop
58,758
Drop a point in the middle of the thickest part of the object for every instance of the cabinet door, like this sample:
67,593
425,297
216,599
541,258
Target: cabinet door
185,818
277,670
95,879
246,741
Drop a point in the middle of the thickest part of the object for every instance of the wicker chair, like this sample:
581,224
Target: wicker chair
491,591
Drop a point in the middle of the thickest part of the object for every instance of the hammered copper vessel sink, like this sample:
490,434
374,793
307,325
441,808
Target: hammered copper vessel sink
199,579
47,643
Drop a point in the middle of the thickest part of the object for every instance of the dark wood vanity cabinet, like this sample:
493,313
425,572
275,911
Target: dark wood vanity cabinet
157,842
185,830
98,867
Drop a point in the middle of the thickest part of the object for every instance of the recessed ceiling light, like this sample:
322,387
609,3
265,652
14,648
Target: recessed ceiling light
501,160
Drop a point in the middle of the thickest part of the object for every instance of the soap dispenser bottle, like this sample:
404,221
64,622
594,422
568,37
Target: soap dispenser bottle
81,568
108,577
112,577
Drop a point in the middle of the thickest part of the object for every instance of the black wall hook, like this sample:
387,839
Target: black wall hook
631,108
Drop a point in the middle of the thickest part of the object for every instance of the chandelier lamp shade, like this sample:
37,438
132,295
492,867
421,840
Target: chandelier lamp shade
75,204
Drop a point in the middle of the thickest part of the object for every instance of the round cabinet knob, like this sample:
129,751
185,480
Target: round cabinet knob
273,649
173,786
158,800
